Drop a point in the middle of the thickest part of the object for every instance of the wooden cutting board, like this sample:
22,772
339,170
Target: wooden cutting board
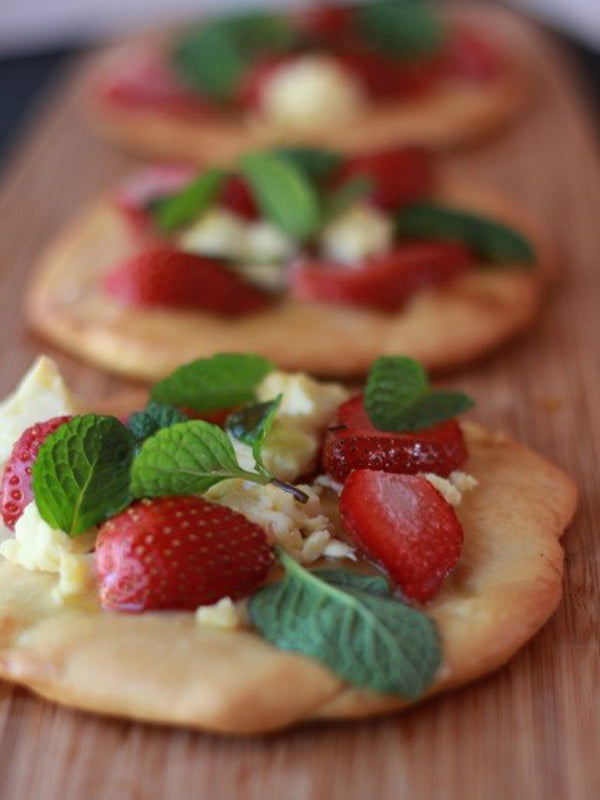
531,730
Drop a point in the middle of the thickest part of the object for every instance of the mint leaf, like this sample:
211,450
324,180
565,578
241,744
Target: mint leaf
398,396
176,210
154,417
187,458
252,424
347,195
350,624
283,192
317,164
81,473
223,381
488,238
406,30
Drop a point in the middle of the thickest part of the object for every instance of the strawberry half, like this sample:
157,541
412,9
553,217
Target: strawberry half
165,277
399,176
237,197
16,481
353,442
177,553
403,523
382,282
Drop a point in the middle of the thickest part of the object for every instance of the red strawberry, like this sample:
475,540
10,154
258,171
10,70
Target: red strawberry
150,184
16,481
165,277
405,525
327,22
386,78
383,282
178,553
470,56
352,442
237,197
399,176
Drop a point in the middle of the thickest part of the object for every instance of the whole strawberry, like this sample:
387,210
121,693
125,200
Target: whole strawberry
16,480
403,523
177,553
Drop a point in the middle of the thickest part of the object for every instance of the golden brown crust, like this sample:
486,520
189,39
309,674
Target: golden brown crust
167,668
442,327
456,113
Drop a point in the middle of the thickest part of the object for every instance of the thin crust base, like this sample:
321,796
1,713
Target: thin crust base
443,327
167,668
456,113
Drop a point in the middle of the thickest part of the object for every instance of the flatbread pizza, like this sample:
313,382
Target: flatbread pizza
169,569
318,261
374,75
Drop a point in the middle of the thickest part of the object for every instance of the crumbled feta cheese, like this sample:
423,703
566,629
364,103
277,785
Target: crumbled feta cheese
223,614
307,404
265,243
40,395
310,93
325,482
37,546
361,231
453,487
218,232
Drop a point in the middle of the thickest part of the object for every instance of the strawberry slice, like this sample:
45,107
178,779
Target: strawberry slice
144,82
352,442
150,184
403,523
399,176
165,277
16,481
471,56
386,78
178,553
382,282
327,23
237,197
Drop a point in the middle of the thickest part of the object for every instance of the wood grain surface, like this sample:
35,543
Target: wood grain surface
530,731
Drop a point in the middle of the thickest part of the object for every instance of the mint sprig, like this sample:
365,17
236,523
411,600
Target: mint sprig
155,416
207,384
81,473
353,625
398,396
185,206
283,192
252,425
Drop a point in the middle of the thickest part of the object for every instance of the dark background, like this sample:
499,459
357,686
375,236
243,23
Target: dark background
24,79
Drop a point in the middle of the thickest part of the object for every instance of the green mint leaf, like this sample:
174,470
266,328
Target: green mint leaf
213,58
345,196
223,381
187,458
154,417
398,397
489,239
406,30
350,624
176,210
283,192
252,424
317,164
81,473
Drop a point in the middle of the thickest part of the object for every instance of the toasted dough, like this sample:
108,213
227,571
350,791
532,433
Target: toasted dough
455,113
441,327
167,668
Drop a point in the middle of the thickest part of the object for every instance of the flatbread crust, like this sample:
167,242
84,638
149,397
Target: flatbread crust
456,113
167,668
442,327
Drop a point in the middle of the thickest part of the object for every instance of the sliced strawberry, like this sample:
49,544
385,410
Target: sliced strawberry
405,525
138,192
178,553
353,442
237,197
382,282
16,481
471,56
387,78
326,23
399,176
145,83
165,277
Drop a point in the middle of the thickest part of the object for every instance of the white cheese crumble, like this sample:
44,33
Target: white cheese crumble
266,243
310,93
361,231
37,546
453,487
40,395
218,232
223,614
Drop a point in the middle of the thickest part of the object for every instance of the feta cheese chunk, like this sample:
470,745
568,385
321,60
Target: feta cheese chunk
453,487
265,243
310,93
218,232
41,395
307,404
361,231
223,614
